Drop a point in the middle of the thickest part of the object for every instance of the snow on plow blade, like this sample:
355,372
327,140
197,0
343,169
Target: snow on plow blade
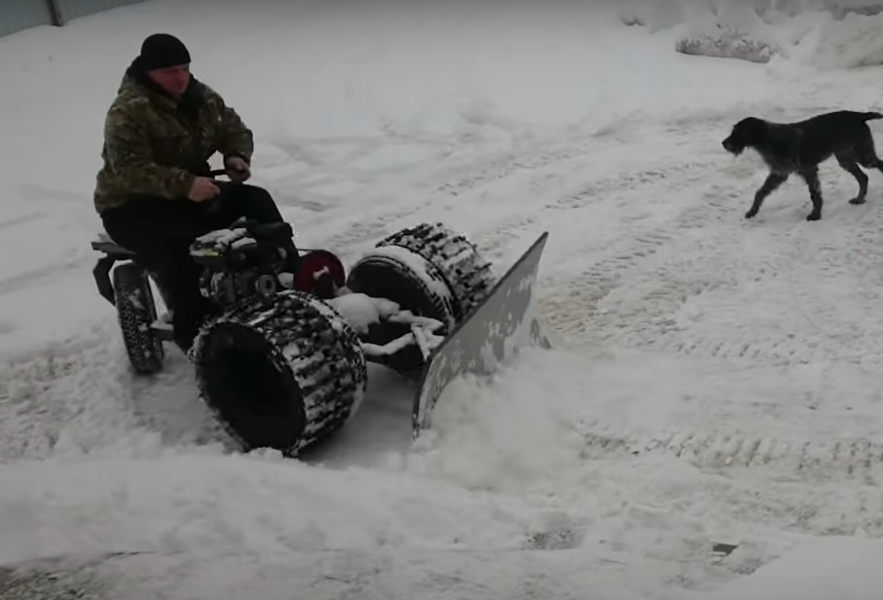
498,327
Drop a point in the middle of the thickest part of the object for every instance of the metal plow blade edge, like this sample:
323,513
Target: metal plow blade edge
488,338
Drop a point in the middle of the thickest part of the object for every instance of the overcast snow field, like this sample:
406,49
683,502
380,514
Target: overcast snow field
708,424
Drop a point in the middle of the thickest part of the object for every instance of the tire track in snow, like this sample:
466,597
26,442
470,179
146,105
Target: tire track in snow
838,284
80,394
573,307
534,161
819,487
708,262
549,159
634,185
858,460
570,306
21,220
48,274
708,275
801,291
488,172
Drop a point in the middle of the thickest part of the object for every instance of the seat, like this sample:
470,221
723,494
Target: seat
272,232
105,244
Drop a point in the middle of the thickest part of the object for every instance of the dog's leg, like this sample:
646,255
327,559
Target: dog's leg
848,162
773,180
811,177
867,155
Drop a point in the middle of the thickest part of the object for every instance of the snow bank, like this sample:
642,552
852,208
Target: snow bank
722,41
214,527
259,504
525,429
854,41
735,31
814,33
842,568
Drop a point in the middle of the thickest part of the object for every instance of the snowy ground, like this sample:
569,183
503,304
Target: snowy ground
714,380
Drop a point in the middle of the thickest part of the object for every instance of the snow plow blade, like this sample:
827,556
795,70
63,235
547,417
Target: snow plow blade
491,336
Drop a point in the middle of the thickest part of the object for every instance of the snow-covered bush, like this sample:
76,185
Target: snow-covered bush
735,30
726,42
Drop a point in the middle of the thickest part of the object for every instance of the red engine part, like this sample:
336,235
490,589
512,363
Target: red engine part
312,264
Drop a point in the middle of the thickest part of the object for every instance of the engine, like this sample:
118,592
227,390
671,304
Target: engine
245,261
227,288
236,265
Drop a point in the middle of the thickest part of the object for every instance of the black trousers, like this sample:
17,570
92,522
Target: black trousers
160,232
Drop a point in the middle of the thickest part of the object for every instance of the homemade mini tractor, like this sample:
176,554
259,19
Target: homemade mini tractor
283,364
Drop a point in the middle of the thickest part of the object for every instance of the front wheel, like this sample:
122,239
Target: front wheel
457,261
282,373
428,270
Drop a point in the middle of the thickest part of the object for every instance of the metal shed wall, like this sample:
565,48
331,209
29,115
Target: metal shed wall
16,15
72,9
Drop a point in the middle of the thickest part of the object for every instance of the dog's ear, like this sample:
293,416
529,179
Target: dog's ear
753,130
749,132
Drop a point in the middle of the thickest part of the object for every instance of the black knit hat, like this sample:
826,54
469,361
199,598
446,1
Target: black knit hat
162,50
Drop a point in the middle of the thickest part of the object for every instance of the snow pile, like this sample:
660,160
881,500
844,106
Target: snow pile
736,31
224,503
824,35
856,40
842,568
359,310
226,527
504,436
524,429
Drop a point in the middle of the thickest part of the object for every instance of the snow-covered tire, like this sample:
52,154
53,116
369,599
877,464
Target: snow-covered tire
136,312
464,270
428,270
407,279
283,374
399,275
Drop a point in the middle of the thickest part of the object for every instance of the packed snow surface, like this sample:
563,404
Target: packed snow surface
708,425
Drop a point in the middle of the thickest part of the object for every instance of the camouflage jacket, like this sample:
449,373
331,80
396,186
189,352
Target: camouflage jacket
155,147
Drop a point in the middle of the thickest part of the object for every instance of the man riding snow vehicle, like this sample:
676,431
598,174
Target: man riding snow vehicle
153,193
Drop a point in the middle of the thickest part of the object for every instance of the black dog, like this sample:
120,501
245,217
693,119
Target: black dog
789,148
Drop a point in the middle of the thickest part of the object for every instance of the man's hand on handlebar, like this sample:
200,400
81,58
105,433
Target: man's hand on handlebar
203,189
237,169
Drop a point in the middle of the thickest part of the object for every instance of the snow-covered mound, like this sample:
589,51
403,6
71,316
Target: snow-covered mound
842,568
854,41
734,31
722,41
813,33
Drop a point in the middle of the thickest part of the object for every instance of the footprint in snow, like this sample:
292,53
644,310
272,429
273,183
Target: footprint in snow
558,532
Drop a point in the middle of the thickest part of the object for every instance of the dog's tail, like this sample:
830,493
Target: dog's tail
870,116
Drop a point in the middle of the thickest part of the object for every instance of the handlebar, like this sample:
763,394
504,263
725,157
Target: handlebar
212,204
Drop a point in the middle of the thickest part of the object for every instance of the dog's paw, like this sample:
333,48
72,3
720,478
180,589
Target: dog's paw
813,216
857,201
750,214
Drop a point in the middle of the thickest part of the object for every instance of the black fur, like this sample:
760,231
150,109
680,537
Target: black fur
799,148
